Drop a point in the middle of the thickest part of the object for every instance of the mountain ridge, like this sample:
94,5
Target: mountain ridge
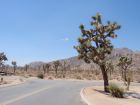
115,55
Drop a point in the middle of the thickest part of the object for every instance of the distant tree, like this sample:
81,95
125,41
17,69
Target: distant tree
2,66
110,68
46,68
26,67
14,63
65,67
124,64
2,59
56,65
39,67
95,44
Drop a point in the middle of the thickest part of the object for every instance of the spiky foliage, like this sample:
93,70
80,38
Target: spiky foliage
95,44
2,59
46,68
14,63
56,65
124,64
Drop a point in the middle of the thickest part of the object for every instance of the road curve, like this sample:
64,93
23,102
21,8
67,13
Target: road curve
45,92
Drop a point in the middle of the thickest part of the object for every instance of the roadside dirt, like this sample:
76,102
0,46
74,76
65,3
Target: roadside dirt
11,80
96,96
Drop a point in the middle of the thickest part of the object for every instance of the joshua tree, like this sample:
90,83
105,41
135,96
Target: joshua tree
109,68
95,44
14,63
124,64
65,66
26,67
46,67
2,59
56,66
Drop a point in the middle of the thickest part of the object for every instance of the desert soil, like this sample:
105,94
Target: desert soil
96,96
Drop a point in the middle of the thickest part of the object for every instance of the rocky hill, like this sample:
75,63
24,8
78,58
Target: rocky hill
114,57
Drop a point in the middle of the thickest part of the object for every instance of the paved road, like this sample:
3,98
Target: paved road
45,92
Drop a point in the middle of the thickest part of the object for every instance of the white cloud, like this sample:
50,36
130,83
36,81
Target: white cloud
65,39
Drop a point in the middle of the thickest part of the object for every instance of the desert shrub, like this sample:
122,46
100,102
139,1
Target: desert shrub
1,80
78,77
50,78
116,91
41,76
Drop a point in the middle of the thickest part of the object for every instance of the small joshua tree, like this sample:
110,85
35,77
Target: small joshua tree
124,64
95,44
14,63
46,68
65,67
109,68
56,65
2,59
26,67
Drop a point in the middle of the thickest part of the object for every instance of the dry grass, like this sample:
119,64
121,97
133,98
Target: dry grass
74,74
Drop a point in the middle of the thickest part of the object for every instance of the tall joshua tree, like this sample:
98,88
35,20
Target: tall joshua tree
56,66
95,44
14,63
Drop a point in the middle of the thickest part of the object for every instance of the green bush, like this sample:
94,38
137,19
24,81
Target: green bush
116,91
41,76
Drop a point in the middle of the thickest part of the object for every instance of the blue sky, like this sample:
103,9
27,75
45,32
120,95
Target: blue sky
46,30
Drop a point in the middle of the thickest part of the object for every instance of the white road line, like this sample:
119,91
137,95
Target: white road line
23,96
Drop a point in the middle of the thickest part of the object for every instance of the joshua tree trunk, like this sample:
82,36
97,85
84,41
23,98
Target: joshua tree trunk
47,70
56,72
44,71
110,73
63,74
14,69
125,78
105,77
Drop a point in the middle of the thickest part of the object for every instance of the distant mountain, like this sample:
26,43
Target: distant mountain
36,64
116,54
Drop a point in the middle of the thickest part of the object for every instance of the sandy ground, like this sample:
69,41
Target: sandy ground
11,80
96,96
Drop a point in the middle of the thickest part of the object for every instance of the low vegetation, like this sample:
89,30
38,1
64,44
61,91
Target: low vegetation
116,91
40,75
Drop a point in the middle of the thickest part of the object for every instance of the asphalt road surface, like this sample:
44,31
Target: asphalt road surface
45,92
